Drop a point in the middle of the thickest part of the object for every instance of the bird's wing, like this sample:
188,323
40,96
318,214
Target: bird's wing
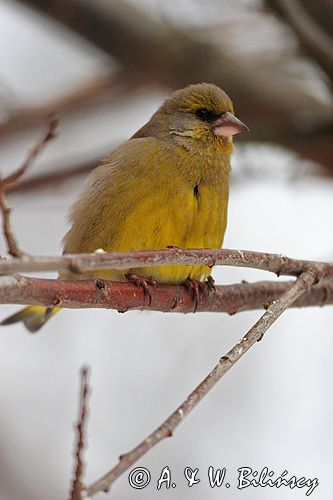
123,189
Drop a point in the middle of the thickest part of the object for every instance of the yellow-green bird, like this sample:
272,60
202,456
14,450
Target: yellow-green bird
166,186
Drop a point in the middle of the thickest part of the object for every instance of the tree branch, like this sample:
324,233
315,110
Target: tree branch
89,95
167,428
165,298
12,245
35,151
56,177
76,264
77,485
11,179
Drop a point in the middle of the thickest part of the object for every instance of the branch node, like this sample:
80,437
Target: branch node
174,303
225,359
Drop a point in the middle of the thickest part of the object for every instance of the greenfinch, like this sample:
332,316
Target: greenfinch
166,186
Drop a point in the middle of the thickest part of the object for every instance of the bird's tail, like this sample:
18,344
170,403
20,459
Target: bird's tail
33,317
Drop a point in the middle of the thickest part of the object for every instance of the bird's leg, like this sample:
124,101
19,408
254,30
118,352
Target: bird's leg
199,289
144,282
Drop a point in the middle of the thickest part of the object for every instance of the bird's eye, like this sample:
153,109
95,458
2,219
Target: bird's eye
206,115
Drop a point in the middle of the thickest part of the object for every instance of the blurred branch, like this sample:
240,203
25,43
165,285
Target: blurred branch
11,179
86,95
167,428
75,264
123,296
322,12
77,485
150,51
314,40
118,28
100,90
56,177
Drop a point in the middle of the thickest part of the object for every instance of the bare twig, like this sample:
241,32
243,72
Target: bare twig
90,95
6,182
167,428
48,136
75,264
85,95
165,298
77,484
12,245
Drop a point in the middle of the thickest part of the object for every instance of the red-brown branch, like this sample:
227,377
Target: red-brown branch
165,298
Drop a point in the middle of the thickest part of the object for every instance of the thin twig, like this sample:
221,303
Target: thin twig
6,182
167,428
77,484
81,263
164,298
34,152
12,245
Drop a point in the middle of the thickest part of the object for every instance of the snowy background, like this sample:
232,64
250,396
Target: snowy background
273,409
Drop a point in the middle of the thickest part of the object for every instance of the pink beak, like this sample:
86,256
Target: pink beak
228,125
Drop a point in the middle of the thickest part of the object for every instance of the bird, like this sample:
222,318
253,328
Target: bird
166,186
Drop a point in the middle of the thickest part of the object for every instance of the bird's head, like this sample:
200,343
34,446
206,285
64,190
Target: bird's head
201,113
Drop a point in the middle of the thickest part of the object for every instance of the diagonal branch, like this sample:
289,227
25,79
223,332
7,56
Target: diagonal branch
166,429
35,151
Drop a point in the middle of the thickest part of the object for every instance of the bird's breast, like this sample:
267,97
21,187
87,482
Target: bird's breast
207,206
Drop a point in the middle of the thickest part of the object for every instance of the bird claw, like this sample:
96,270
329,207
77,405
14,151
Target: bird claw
144,282
210,282
199,289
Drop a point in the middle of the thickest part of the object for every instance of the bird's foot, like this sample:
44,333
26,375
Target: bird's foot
144,282
173,247
199,289
210,282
